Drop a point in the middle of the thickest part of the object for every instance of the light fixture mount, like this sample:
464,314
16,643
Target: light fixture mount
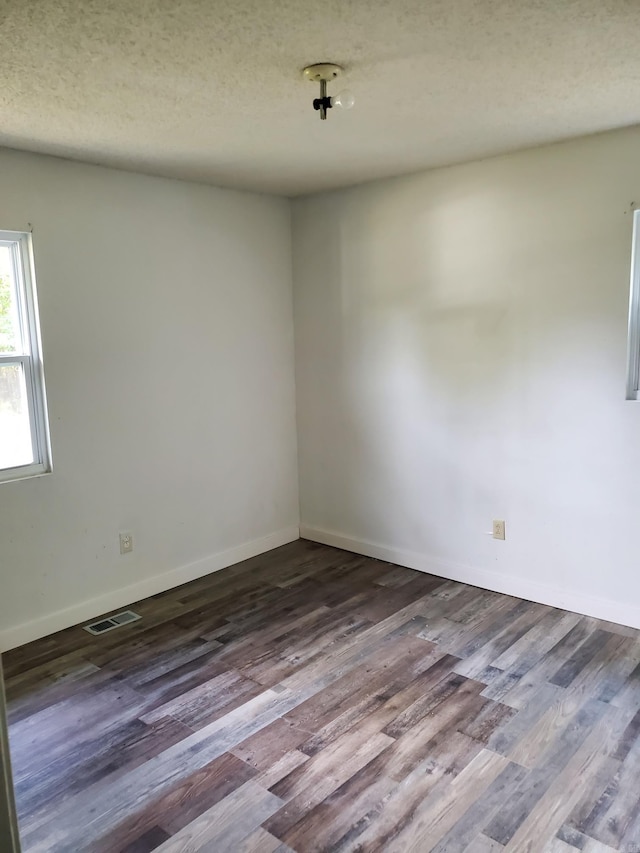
323,73
326,71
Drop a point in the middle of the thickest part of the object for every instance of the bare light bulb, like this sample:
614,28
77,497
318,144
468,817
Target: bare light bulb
344,100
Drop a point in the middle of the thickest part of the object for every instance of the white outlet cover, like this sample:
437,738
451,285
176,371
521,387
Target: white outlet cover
499,529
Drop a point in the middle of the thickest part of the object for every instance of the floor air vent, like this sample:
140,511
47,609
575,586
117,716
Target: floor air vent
103,625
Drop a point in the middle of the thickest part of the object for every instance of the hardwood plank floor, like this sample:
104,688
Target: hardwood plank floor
315,700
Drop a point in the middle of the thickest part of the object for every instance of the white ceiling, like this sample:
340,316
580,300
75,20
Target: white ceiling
212,91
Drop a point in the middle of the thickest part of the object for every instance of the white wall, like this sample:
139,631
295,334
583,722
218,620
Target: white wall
168,340
461,340
461,348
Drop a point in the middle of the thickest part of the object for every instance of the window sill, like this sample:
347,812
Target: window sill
25,472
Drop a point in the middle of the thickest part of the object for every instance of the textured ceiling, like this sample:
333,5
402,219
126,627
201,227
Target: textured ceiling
212,91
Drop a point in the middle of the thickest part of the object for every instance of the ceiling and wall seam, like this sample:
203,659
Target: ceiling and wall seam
212,92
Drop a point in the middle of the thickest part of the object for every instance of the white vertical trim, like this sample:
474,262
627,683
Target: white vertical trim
633,353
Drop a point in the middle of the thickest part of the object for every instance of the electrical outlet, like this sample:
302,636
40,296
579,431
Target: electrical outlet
126,543
498,529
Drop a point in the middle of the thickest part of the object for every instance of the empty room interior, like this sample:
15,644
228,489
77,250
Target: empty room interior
319,426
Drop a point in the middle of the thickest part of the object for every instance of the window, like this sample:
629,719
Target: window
633,362
24,429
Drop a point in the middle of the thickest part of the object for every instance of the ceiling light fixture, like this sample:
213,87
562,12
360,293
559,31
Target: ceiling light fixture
323,73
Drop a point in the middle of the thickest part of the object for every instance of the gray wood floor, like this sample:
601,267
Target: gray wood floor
314,700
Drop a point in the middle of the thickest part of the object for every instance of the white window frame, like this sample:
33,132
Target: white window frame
19,242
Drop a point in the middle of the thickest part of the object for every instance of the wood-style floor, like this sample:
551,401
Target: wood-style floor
314,700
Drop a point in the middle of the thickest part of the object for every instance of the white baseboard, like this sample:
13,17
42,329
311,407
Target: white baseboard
10,638
600,608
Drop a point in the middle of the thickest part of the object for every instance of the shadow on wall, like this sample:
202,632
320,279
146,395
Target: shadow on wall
460,347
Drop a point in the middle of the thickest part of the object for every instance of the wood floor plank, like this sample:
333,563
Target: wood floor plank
628,738
617,807
552,662
260,841
460,836
608,670
462,637
416,744
555,756
383,708
499,683
631,836
203,704
556,803
516,628
268,745
572,837
377,829
532,646
505,739
98,809
482,844
296,652
226,825
629,694
148,841
529,749
442,810
479,605
494,623
395,664
70,772
177,805
342,813
490,718
313,782
593,846
313,700
281,768
201,791
556,845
